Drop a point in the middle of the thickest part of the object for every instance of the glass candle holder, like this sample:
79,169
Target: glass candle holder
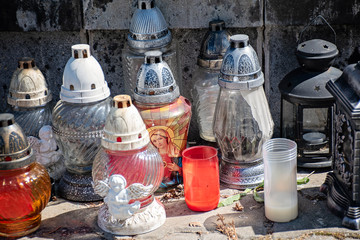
126,172
166,114
78,120
25,184
29,97
242,120
148,31
201,178
280,187
206,88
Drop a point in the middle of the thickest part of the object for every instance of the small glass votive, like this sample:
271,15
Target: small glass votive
201,178
280,188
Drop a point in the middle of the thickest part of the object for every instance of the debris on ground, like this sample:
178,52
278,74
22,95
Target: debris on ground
227,229
238,207
195,224
174,193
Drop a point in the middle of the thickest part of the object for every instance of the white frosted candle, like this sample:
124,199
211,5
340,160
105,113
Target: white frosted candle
280,188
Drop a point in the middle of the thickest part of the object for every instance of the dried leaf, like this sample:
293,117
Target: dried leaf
195,224
238,207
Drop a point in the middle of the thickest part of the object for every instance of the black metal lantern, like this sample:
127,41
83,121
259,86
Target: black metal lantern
342,185
306,105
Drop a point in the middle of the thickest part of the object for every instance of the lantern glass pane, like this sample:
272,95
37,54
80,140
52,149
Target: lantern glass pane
289,120
315,130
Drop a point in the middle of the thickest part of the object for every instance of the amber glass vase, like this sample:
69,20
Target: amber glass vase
24,193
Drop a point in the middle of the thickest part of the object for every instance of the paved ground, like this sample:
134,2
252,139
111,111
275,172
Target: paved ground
69,220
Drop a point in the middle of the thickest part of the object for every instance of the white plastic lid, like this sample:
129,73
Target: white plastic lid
124,128
83,79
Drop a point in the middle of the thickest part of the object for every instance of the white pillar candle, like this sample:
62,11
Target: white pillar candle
280,188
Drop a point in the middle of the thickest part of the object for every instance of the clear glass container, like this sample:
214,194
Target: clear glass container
206,88
148,32
32,119
242,120
78,130
206,92
78,120
243,123
280,187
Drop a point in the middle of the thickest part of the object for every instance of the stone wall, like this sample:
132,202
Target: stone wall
45,30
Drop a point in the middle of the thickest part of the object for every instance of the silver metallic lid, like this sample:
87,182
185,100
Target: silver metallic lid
28,87
15,151
214,45
83,79
155,81
148,28
124,128
240,68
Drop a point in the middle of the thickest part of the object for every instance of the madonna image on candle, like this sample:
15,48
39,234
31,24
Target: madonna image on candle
162,138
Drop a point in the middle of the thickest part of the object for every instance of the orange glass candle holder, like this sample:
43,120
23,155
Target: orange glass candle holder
201,178
25,184
166,114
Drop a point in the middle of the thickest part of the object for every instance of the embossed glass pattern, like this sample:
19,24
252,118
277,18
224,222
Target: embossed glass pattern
24,194
133,59
139,166
78,130
32,119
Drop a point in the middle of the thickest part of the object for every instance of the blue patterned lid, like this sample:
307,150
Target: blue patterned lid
240,68
155,81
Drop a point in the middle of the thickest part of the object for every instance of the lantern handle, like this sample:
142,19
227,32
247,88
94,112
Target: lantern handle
311,23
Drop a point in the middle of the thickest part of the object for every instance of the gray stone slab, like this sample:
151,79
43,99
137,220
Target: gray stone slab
107,48
280,12
116,14
51,51
38,15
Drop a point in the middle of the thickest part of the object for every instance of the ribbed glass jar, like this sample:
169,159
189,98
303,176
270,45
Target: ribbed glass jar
78,130
138,166
32,119
24,193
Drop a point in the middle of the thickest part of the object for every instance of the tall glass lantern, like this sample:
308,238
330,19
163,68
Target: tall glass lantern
29,97
206,88
78,121
242,121
306,105
165,112
148,31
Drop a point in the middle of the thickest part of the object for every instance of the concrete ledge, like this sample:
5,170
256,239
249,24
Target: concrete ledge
70,220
